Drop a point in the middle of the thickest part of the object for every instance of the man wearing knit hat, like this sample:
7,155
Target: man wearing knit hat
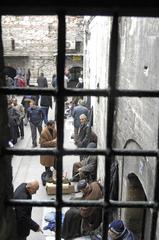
117,230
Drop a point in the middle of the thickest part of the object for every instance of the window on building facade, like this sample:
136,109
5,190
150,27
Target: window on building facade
12,44
78,46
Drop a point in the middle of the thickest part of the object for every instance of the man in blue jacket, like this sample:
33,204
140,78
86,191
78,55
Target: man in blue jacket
35,116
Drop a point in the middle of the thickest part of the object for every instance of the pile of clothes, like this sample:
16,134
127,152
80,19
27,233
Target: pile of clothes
50,218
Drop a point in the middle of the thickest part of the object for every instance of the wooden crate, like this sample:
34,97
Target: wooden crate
66,188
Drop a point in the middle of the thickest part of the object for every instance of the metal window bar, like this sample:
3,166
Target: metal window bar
134,9
60,120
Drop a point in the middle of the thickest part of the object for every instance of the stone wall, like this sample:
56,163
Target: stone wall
136,119
96,74
31,42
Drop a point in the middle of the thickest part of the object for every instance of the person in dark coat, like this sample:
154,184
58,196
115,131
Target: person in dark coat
83,218
72,224
13,121
35,116
9,81
20,109
85,169
84,133
80,83
54,81
24,222
45,103
42,81
28,76
91,216
26,104
76,112
117,230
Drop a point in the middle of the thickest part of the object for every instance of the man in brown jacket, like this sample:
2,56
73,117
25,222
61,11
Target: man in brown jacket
79,221
91,216
48,139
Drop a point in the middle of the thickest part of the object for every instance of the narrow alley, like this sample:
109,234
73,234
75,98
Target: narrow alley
26,168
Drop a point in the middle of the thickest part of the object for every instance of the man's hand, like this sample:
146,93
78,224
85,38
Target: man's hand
40,230
79,170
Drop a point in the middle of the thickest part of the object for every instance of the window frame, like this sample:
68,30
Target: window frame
111,93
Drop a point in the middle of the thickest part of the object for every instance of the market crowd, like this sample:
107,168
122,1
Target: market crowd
78,221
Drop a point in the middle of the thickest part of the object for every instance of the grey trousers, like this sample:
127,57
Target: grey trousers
34,132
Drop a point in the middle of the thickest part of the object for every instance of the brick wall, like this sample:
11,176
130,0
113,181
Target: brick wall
35,40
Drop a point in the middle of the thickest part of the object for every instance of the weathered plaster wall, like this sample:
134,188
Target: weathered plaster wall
136,119
96,74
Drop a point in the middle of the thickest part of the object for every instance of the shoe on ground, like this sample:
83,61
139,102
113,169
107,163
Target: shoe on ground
72,136
34,145
74,179
22,137
11,145
48,179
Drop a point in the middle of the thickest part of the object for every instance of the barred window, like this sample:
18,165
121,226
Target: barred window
113,94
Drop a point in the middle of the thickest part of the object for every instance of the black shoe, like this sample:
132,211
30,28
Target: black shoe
22,137
34,145
43,178
48,176
74,179
49,179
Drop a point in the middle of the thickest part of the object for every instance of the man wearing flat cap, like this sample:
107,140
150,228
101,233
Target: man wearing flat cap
86,168
91,216
117,230
81,221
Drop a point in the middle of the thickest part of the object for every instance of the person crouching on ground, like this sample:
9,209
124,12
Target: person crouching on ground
35,116
48,139
80,221
85,169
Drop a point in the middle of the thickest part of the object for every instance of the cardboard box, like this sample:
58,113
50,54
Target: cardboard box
66,188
